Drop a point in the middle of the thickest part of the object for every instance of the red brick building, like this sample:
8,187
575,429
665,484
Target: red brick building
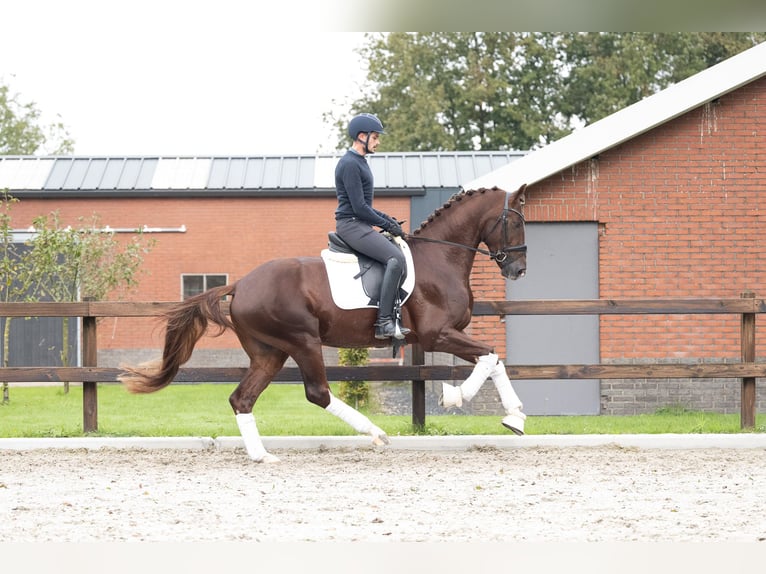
672,187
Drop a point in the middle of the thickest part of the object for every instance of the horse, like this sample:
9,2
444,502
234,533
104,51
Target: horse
283,308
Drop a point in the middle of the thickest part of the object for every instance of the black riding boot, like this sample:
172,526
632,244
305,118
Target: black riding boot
385,326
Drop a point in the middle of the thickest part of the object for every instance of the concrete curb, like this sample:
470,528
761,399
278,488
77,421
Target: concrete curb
427,443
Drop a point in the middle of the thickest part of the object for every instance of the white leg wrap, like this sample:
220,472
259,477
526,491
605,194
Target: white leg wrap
511,402
508,396
478,377
454,396
356,420
253,443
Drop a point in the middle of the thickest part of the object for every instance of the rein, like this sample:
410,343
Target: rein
501,254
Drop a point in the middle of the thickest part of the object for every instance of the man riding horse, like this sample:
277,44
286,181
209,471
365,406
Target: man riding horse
355,217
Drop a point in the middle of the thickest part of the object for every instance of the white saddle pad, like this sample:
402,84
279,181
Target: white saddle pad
347,292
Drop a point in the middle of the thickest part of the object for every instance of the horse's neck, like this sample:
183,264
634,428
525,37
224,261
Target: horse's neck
461,224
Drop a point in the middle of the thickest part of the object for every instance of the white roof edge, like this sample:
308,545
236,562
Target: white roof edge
629,122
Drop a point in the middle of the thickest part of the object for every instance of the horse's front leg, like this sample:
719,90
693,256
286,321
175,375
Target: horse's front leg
487,364
318,392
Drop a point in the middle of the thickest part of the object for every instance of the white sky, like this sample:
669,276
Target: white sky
169,77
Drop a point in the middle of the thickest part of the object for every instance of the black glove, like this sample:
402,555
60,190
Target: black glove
395,229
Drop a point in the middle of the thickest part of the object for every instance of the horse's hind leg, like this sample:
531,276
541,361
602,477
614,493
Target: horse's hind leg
265,362
312,368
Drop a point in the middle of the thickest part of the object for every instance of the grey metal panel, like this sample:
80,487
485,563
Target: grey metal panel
76,174
92,178
306,172
465,167
58,174
288,173
236,173
413,171
219,168
255,172
272,172
448,172
146,173
130,173
562,263
395,172
378,168
430,176
112,173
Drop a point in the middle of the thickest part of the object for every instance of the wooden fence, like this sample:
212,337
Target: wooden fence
747,306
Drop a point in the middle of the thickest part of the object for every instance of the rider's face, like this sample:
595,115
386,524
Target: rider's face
373,140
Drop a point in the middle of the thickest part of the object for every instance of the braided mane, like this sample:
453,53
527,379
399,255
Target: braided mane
456,198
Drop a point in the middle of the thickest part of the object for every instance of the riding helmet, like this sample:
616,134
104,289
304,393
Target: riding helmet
364,123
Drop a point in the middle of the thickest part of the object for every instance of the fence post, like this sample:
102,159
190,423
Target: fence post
418,390
89,388
747,342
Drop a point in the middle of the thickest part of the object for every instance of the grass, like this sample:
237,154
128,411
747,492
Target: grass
203,410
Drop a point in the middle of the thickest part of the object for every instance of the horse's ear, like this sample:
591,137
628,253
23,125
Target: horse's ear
521,194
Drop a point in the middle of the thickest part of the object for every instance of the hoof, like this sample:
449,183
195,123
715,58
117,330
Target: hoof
515,422
451,396
268,458
380,440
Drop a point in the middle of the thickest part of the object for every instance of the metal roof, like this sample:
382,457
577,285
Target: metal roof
629,122
394,172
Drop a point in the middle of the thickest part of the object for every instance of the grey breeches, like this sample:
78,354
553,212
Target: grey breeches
365,239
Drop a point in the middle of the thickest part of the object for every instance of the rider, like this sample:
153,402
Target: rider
355,217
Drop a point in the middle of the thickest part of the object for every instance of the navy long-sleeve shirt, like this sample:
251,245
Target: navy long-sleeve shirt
355,188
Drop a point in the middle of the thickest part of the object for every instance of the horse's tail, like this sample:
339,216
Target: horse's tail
186,323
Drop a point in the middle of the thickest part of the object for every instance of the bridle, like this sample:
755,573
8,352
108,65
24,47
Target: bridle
501,255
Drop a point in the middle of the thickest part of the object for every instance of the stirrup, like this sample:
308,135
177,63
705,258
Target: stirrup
388,329
385,328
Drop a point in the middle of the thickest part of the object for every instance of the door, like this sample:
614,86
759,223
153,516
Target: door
562,263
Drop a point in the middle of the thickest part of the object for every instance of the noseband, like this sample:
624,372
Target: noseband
501,254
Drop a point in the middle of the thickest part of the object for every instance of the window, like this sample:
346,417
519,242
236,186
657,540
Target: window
196,284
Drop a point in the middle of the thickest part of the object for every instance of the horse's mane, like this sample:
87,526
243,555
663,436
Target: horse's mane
456,198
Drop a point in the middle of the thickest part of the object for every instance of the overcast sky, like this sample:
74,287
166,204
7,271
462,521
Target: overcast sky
180,78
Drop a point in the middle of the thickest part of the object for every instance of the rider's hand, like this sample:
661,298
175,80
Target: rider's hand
395,229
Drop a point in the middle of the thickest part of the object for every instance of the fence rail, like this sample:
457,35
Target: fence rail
748,370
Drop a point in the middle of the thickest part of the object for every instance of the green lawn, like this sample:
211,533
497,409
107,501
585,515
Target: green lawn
203,410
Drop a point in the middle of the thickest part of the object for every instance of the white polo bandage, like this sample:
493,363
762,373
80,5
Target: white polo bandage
508,396
478,376
249,431
351,416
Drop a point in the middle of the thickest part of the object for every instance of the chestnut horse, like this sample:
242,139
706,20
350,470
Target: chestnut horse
284,308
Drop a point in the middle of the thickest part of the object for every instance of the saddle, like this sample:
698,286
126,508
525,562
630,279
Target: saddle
355,278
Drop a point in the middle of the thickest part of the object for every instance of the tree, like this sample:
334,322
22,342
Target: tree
356,393
609,71
16,278
70,264
513,90
21,132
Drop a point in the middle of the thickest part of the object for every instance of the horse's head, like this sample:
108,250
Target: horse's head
505,237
